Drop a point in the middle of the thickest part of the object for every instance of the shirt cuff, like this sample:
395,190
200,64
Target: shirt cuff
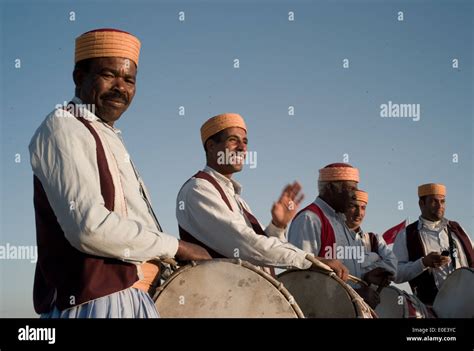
301,262
273,230
421,265
168,245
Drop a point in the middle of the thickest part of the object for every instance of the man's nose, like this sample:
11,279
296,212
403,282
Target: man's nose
242,146
119,85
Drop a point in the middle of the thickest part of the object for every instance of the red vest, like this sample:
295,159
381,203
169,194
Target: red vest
328,238
65,276
183,234
424,285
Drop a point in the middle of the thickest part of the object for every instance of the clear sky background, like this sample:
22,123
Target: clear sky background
282,63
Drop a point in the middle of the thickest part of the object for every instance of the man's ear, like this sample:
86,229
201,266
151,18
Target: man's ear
421,203
78,77
210,145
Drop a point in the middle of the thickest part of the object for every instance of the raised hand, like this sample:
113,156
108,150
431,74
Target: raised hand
287,205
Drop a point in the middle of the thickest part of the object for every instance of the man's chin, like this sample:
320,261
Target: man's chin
354,225
238,168
235,168
109,115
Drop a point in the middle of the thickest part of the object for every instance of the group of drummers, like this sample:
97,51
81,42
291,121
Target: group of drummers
99,238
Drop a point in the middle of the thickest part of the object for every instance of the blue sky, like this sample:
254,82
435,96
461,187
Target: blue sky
282,63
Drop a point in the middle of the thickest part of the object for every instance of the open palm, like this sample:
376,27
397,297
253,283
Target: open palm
287,205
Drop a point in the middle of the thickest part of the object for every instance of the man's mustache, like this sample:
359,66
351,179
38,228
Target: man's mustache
115,96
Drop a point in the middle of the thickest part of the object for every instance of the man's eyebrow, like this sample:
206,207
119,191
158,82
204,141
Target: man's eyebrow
115,72
236,136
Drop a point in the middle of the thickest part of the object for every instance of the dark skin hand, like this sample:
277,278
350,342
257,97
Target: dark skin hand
191,252
435,260
378,276
370,296
287,205
337,266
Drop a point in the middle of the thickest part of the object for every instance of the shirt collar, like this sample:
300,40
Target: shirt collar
85,111
430,225
323,205
231,184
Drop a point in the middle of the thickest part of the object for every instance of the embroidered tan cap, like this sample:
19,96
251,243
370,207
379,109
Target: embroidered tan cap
220,122
338,172
107,42
361,195
431,189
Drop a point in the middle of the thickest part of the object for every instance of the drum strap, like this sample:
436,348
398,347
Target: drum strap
250,217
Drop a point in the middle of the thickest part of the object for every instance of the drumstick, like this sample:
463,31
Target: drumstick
170,261
326,268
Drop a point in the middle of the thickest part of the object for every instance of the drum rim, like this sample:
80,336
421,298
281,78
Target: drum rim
277,284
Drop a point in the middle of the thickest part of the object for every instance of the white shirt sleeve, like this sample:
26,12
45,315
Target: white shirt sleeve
384,259
406,270
63,157
305,232
273,230
208,219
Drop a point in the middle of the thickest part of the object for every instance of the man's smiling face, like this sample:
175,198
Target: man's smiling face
108,84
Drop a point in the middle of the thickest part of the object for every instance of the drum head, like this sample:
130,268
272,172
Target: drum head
223,288
391,304
318,294
455,299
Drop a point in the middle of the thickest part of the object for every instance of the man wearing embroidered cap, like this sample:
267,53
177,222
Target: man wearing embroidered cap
432,247
211,212
379,263
95,226
320,228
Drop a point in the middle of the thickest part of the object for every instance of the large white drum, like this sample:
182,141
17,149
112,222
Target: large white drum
455,299
396,303
323,295
225,289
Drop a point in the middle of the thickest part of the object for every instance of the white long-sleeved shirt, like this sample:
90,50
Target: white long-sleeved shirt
201,212
434,237
384,258
305,233
63,157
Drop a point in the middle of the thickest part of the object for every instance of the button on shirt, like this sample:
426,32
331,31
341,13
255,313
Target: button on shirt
434,237
202,212
63,157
